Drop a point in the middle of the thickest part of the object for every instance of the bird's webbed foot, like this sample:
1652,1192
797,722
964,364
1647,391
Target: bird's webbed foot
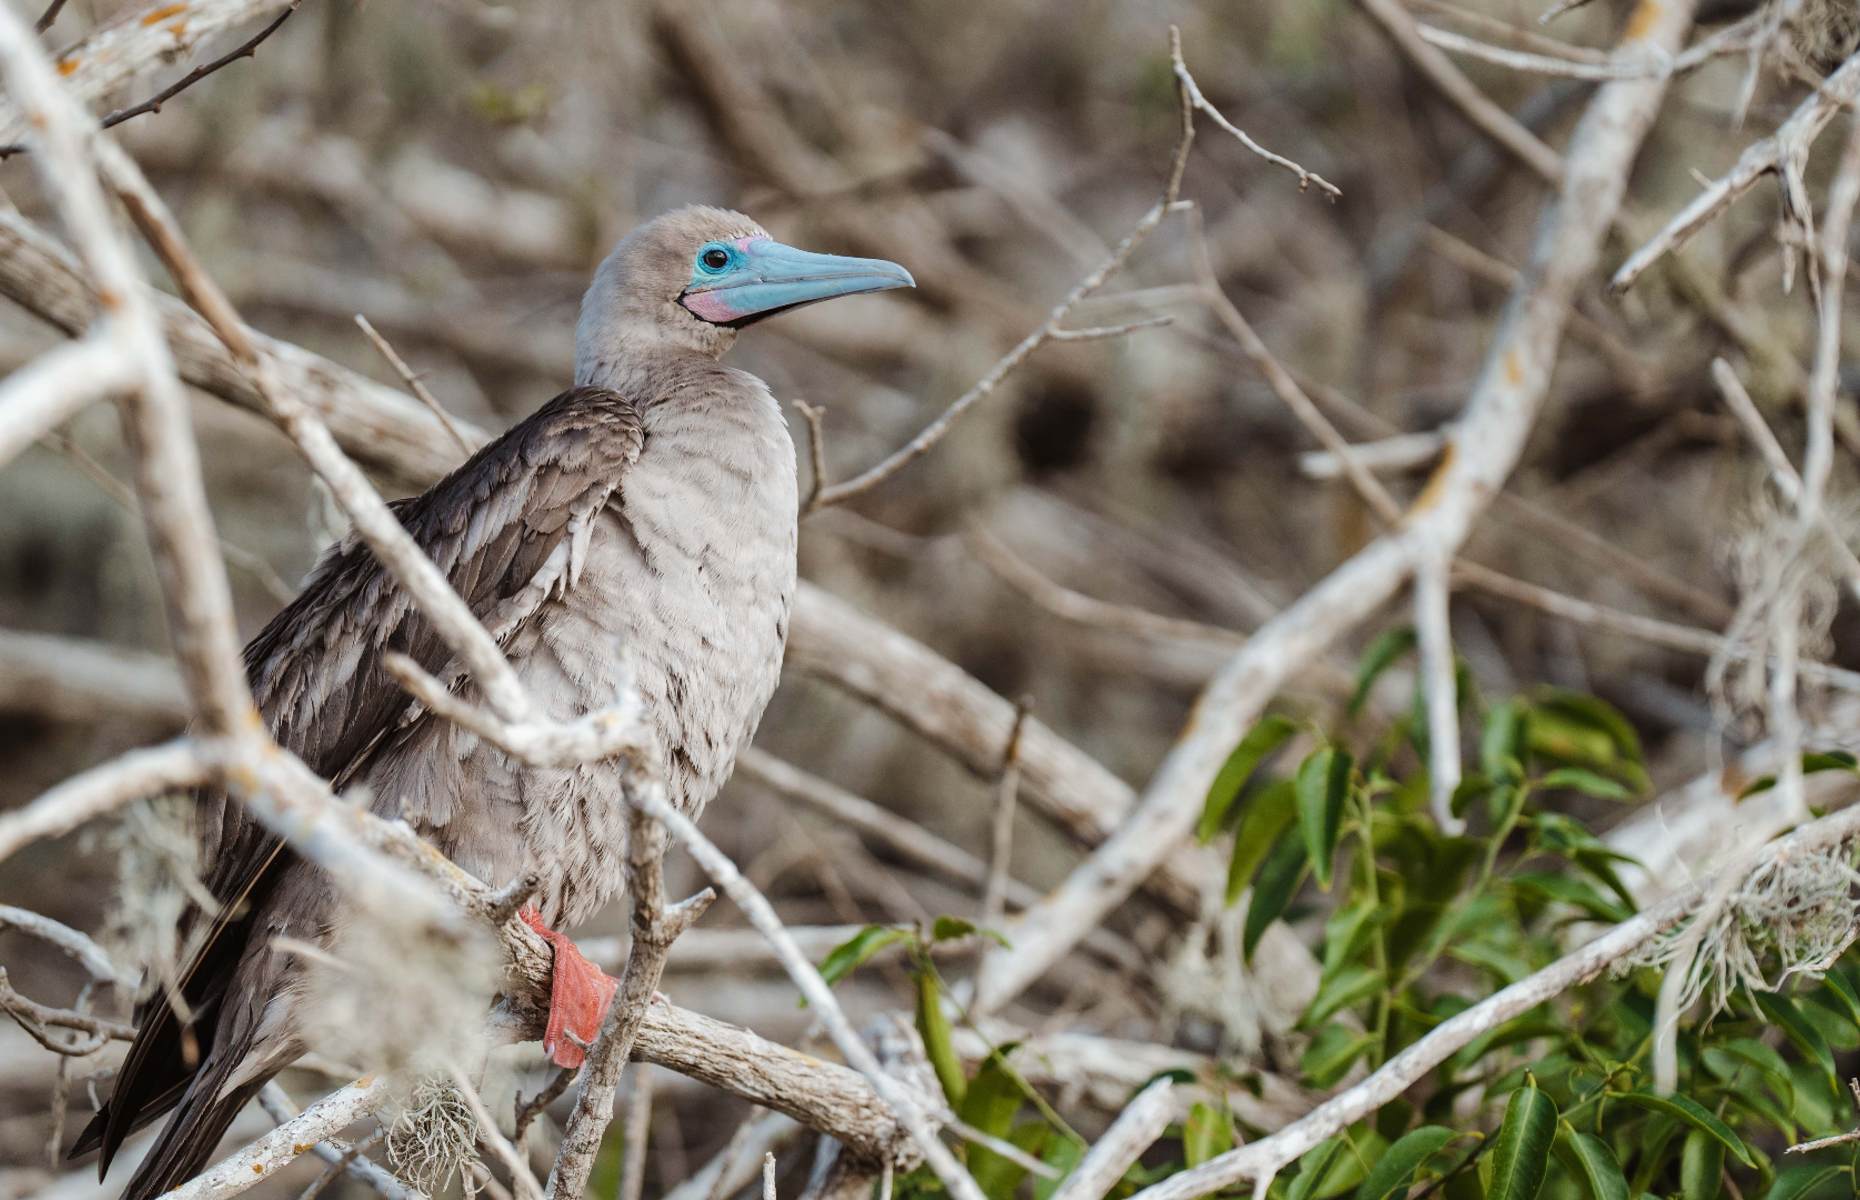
580,994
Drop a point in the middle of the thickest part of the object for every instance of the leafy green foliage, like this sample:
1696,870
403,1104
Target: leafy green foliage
1260,741
1521,1158
1392,1172
854,952
1331,830
1323,786
1412,925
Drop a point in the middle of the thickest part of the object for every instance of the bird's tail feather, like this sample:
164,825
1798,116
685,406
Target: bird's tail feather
192,1134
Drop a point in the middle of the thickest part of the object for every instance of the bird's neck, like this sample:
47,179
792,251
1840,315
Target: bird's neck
644,372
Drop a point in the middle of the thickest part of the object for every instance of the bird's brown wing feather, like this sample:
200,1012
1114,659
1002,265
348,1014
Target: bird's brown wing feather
316,672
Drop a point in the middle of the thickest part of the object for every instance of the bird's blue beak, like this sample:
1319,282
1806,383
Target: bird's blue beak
736,282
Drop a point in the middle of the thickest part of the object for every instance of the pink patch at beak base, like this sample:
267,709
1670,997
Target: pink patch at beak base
711,306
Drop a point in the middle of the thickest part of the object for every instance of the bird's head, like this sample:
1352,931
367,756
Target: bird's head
691,278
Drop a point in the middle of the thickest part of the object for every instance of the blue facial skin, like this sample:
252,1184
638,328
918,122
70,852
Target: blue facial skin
734,283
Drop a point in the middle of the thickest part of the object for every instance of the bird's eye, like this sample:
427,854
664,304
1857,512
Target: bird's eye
715,258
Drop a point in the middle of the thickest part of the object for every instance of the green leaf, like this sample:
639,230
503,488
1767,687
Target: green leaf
949,929
1589,1159
1278,882
850,954
1812,762
1331,1053
1701,1166
1346,930
1062,1154
1572,891
1380,656
1503,804
1265,737
1839,987
1597,714
1798,1181
990,1104
946,929
1501,744
1756,1055
1206,1132
1781,1010
1334,1166
1579,779
1267,815
933,1025
1522,1152
1473,786
1348,986
1390,1176
1692,1113
1323,786
1314,1166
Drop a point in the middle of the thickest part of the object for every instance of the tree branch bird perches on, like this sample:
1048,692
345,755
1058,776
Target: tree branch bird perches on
636,531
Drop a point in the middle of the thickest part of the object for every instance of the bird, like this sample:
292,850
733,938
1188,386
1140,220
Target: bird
637,530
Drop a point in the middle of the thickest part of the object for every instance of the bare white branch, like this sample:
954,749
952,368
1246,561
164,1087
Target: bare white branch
1439,687
54,387
283,1145
1135,1130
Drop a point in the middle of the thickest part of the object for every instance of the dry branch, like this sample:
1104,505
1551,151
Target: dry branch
138,39
285,1144
1134,1131
1490,437
655,927
1783,152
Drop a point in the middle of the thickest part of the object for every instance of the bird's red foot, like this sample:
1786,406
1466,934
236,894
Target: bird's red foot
580,994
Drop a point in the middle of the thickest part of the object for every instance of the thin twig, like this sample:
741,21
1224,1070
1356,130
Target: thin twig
74,945
39,1020
934,432
1531,63
1473,104
1001,841
1097,333
245,49
1003,1147
269,1154
906,1107
1782,152
1687,638
1192,90
535,1106
814,415
47,17
521,1178
1782,471
413,382
1839,1139
655,927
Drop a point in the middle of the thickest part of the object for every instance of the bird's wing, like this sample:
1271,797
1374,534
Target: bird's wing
493,525
516,510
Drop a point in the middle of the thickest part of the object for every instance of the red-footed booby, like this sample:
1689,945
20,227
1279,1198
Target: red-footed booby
638,530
